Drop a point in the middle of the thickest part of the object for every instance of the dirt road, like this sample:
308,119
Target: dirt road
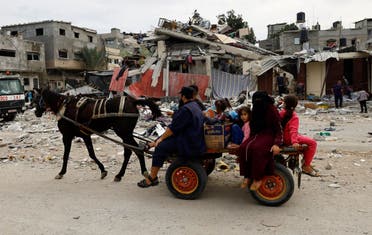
33,202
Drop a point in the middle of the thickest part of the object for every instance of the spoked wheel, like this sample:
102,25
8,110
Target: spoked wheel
186,180
275,189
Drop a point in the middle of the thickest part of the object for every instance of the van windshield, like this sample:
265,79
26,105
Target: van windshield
10,86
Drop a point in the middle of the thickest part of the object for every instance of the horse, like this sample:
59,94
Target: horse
118,113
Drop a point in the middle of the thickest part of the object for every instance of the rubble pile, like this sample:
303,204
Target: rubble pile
38,141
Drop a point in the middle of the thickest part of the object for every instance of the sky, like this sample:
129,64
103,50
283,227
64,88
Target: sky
143,15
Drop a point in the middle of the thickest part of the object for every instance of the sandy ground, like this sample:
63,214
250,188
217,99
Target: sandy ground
33,202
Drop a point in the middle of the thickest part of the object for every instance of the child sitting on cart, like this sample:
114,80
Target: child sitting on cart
218,111
290,124
256,153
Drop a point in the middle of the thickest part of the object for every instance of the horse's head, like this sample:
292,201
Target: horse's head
47,100
39,104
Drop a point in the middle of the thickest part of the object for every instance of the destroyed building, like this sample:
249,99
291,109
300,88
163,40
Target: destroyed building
185,54
23,57
317,58
63,43
121,46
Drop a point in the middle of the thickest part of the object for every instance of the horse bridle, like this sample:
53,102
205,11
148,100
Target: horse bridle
41,102
59,103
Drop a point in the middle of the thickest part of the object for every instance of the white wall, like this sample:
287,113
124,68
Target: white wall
315,74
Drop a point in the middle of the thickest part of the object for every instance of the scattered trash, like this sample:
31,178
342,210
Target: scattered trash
324,133
334,186
3,145
270,225
318,137
328,166
336,155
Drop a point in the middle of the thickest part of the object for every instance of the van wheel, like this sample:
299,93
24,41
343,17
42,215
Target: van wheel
276,189
186,179
10,117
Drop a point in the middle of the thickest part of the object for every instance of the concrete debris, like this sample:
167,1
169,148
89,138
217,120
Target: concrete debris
334,186
3,145
35,141
335,155
227,163
328,166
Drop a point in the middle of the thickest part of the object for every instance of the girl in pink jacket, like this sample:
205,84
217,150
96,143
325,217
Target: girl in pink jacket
290,124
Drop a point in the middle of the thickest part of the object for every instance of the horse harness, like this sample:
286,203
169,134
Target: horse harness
98,111
99,108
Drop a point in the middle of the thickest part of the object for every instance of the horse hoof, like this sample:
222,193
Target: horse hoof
58,177
117,179
103,174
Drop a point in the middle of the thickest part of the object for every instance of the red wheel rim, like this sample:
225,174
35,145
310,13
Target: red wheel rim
272,187
185,180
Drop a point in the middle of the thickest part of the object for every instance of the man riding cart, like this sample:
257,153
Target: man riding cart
183,136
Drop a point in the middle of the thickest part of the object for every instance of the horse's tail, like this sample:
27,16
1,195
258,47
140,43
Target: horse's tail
151,104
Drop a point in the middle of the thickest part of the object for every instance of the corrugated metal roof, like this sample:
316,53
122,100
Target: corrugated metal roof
320,56
273,61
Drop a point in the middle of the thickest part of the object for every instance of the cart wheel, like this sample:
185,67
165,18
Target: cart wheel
186,179
209,165
275,189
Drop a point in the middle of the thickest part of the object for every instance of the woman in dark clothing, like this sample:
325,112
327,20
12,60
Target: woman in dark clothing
256,153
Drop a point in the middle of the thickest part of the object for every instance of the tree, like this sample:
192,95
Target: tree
236,22
251,37
93,58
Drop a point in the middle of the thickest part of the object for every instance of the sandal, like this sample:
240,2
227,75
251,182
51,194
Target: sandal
153,182
315,169
311,173
255,185
245,183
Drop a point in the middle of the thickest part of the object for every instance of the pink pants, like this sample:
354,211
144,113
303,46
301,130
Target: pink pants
311,148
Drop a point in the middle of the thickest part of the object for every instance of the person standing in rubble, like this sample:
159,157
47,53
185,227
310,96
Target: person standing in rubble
362,98
290,123
338,92
185,136
282,82
256,153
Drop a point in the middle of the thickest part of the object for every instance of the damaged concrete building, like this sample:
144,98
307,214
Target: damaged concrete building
317,58
22,57
63,43
121,46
